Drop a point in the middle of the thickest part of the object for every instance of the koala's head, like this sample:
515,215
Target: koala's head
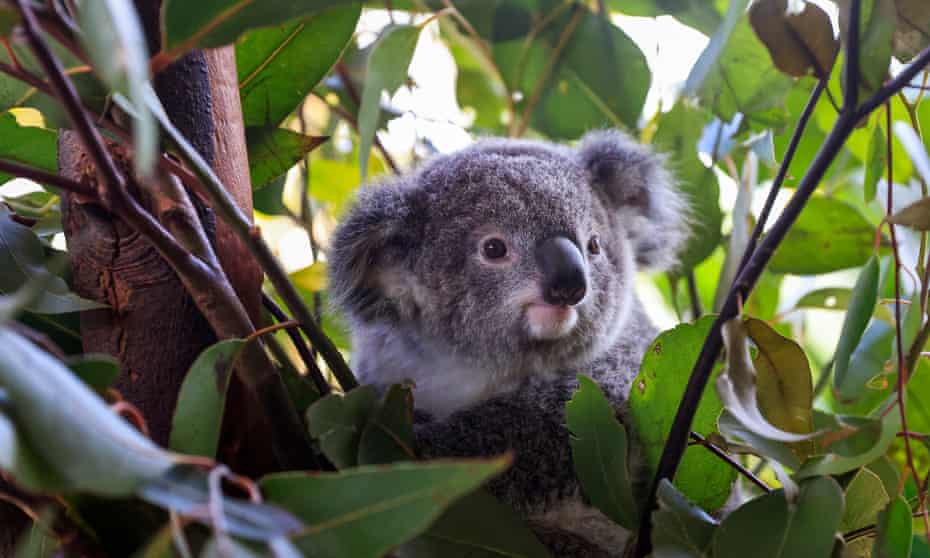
516,254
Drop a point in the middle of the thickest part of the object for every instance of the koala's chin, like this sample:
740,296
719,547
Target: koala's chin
548,322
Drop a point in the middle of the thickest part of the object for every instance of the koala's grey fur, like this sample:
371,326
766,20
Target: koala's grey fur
423,305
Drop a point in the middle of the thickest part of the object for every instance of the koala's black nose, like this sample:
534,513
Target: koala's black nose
562,267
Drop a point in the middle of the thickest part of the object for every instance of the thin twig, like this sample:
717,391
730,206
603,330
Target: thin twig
697,309
43,177
746,279
547,72
903,370
316,375
701,440
866,531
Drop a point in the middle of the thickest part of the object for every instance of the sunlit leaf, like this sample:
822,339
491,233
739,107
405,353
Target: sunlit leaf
387,70
875,164
98,371
272,151
654,399
279,66
311,279
865,497
599,453
214,23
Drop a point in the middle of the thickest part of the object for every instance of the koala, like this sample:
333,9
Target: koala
491,277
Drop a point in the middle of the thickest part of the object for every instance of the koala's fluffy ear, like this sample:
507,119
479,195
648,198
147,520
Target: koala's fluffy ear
371,253
633,180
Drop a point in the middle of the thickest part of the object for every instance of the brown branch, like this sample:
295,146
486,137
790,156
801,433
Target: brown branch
43,177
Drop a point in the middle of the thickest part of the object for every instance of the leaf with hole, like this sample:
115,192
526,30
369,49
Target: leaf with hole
654,398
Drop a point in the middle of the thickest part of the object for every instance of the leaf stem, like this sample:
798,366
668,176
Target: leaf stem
302,349
701,440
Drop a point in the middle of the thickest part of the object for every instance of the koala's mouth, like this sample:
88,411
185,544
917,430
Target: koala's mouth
550,321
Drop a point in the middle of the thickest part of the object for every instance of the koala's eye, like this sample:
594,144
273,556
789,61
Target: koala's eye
594,245
494,249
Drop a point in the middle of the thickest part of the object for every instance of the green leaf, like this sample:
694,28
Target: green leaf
895,531
387,70
22,260
773,529
678,135
876,31
476,526
279,66
734,430
29,145
311,279
829,235
735,74
863,440
737,386
864,295
38,539
70,428
600,78
98,371
338,421
214,23
599,453
875,164
365,512
115,41
865,497
654,399
784,388
678,527
388,436
198,415
20,461
273,151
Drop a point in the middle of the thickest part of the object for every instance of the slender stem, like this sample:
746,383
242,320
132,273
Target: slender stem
38,175
697,309
302,349
730,461
892,86
851,83
746,279
868,530
547,72
782,172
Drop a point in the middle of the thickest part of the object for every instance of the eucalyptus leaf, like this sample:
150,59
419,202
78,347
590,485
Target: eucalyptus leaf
115,42
895,531
600,453
338,421
679,528
365,512
387,70
278,66
799,41
388,436
273,151
862,304
198,414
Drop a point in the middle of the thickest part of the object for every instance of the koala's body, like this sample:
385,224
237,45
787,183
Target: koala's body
491,277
